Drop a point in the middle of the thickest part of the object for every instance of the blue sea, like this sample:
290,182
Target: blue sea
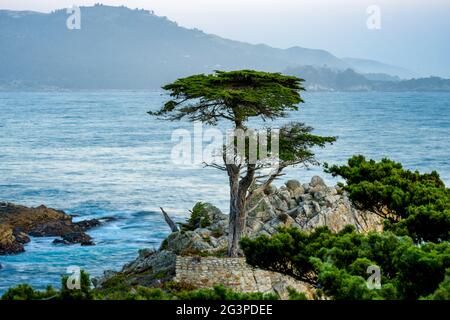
99,154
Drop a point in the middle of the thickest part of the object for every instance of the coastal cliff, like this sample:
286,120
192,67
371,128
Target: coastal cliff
195,255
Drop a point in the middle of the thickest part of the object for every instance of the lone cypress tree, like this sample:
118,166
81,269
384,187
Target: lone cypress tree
237,96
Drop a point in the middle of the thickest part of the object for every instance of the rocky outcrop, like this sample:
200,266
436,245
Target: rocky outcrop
154,268
18,222
182,254
304,206
10,241
150,269
307,206
75,237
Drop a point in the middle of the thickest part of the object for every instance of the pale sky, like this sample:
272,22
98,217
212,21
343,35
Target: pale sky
414,33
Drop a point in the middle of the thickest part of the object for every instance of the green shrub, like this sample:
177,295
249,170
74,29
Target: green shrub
217,232
295,295
84,293
443,291
336,263
164,244
26,292
413,204
143,293
178,286
199,218
118,290
220,292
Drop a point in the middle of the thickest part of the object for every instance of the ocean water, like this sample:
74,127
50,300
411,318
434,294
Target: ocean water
98,154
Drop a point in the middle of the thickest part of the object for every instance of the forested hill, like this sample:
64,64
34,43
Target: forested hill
120,48
117,47
328,79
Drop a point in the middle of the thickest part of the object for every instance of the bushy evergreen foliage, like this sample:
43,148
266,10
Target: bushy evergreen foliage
199,218
220,292
336,263
413,204
170,291
26,292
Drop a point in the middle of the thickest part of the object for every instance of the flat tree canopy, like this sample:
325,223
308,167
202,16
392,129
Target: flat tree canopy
234,95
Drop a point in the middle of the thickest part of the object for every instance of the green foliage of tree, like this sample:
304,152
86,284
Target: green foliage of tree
219,292
135,293
295,295
233,95
342,285
296,142
169,291
413,204
422,268
336,263
84,293
443,292
26,292
237,96
199,218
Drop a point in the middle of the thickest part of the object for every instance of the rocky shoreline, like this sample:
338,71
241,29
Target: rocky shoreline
304,206
194,256
18,223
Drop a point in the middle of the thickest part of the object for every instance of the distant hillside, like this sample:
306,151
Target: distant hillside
371,67
127,49
420,84
327,79
120,48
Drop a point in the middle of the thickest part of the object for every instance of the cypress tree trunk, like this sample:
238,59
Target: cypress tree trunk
237,223
238,195
238,214
233,228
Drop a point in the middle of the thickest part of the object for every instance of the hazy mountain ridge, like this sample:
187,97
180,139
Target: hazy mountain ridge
120,48
327,79
372,66
38,48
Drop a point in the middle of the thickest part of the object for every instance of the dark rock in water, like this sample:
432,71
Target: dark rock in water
75,237
21,236
88,224
54,228
18,222
8,242
78,237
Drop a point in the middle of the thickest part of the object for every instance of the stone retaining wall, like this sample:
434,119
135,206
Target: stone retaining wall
236,274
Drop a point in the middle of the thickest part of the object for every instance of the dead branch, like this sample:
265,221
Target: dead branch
169,221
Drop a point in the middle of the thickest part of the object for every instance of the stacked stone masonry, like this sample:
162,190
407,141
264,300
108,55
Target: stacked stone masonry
236,274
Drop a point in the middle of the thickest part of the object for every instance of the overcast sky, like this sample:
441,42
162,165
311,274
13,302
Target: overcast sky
414,33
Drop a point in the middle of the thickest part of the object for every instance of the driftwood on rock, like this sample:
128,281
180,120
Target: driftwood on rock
169,221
